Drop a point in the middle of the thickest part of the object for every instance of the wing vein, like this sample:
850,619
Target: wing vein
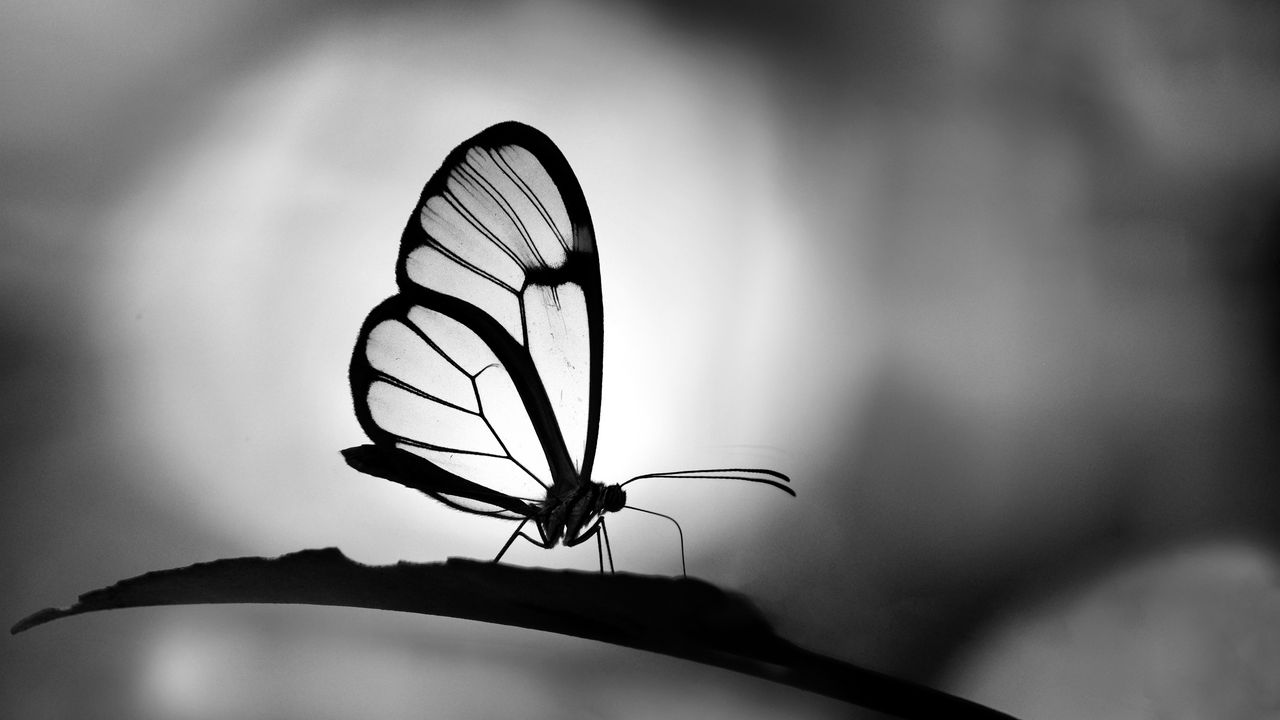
480,228
482,183
415,390
534,199
413,327
475,384
413,442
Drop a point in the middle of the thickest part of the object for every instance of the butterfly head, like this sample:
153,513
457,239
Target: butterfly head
615,498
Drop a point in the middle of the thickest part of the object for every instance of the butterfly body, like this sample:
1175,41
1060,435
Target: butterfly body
567,516
478,382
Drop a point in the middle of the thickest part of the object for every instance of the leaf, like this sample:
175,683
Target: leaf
681,617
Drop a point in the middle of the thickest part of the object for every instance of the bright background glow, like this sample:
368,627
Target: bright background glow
248,261
993,284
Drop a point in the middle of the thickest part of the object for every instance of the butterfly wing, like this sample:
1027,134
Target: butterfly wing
486,365
411,470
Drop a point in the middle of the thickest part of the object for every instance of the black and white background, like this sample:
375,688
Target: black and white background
995,283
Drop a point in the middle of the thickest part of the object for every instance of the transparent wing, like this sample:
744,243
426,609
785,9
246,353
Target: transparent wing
427,384
501,242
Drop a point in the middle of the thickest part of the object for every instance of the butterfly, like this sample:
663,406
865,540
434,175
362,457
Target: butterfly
478,382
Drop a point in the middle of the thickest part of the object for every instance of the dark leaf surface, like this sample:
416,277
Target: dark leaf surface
680,617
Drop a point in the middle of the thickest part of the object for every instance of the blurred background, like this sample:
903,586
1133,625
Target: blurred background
995,283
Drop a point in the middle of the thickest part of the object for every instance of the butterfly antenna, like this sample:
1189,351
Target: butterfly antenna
757,475
684,570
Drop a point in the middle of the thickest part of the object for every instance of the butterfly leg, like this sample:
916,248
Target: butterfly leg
604,531
542,543
511,539
603,547
594,531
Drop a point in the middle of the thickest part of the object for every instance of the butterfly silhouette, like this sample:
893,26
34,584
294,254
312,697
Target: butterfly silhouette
478,383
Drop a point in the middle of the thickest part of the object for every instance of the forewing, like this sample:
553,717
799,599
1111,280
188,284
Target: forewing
502,242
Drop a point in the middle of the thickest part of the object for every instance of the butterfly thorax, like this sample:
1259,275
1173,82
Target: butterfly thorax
566,516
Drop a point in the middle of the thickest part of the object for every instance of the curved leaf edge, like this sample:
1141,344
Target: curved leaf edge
681,617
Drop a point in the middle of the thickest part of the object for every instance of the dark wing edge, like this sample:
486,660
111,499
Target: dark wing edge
395,463
411,471
581,268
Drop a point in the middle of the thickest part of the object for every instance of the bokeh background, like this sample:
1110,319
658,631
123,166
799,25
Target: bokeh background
995,282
